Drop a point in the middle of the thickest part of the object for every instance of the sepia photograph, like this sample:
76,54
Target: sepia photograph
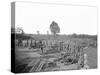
53,37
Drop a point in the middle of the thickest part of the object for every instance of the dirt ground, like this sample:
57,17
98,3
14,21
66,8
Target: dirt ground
92,57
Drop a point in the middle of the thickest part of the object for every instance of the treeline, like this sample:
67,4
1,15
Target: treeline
86,36
80,36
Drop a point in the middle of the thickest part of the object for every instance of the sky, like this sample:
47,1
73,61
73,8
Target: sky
33,17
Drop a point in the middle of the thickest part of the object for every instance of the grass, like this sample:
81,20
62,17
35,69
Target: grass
92,57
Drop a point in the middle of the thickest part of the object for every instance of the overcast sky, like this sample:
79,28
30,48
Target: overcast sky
33,17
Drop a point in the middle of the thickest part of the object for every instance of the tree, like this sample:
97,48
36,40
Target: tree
38,32
54,28
20,30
